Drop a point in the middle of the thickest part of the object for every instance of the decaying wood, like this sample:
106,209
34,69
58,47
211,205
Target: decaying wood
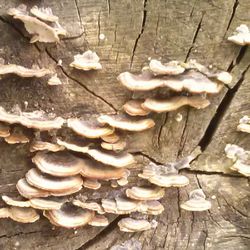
133,32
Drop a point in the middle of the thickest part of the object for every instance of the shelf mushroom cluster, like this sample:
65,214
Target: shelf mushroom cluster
190,79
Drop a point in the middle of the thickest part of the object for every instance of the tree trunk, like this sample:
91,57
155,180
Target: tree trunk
134,32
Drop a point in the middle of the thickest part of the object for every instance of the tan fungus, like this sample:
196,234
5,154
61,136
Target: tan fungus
134,108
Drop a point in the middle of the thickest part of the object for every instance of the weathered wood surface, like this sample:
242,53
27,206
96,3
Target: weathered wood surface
134,31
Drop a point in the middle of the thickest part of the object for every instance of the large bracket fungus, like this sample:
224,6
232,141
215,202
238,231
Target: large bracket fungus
241,36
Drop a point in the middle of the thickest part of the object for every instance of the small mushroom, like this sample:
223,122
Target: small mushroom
69,216
4,212
89,205
244,124
170,68
17,136
43,146
23,214
87,61
46,203
235,152
117,146
197,201
132,225
54,184
112,138
241,36
4,130
241,167
99,221
118,160
134,108
80,146
45,14
91,184
54,80
174,103
89,129
58,164
126,123
15,202
145,193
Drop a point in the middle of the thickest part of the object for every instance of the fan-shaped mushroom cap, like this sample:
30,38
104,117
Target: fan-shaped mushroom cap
43,145
4,212
23,214
87,61
118,160
170,68
112,138
15,202
45,14
91,184
54,184
133,225
90,129
74,145
241,36
241,167
89,205
197,201
37,119
4,130
95,170
172,180
99,221
134,108
109,206
126,205
22,71
244,124
17,136
126,123
117,146
69,216
174,103
235,152
145,193
192,81
27,191
46,203
58,164
54,80
152,207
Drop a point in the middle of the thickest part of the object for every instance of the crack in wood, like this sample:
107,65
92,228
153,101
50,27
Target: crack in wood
160,130
108,6
236,3
79,14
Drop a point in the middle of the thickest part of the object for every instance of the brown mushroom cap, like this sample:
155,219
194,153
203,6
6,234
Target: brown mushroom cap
87,61
58,164
42,145
91,184
112,138
15,202
145,193
4,130
17,136
117,146
37,120
152,207
99,221
89,129
28,191
23,214
69,216
118,160
95,170
170,68
174,103
51,183
133,225
45,14
134,108
197,201
171,180
126,123
89,205
80,146
124,205
241,36
46,203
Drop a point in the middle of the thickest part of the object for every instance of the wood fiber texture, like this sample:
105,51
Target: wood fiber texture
136,30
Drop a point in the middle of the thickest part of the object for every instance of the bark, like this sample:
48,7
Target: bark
135,31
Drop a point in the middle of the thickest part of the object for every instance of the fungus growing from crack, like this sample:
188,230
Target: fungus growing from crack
89,205
124,122
4,130
58,164
69,216
134,108
132,225
145,193
79,145
17,136
197,201
241,36
70,184
175,103
170,68
41,31
244,124
44,14
118,160
54,80
191,81
36,119
91,184
45,146
89,129
99,221
112,138
89,60
117,146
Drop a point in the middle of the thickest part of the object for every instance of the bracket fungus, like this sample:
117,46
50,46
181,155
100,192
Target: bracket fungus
99,221
89,205
112,138
91,184
79,145
17,136
15,202
174,103
117,146
87,61
197,201
244,124
89,129
124,122
45,146
4,130
132,225
45,14
145,193
135,108
241,36
69,216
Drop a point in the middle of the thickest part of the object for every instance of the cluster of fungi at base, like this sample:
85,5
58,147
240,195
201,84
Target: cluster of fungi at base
94,150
